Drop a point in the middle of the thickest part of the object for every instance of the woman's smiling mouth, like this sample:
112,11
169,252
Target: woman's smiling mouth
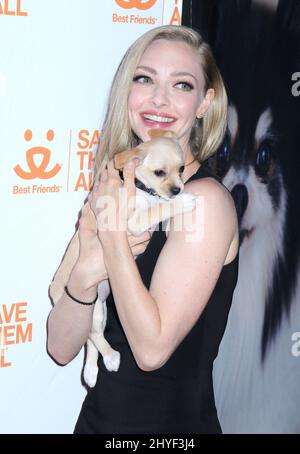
157,119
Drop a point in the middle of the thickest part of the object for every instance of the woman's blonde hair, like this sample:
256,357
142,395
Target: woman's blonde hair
207,132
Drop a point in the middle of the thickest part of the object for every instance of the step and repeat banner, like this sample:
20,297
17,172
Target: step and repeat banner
57,61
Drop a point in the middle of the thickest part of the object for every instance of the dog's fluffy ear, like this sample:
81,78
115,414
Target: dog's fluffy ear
156,133
121,158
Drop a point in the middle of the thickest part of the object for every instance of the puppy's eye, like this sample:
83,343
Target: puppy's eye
159,173
181,169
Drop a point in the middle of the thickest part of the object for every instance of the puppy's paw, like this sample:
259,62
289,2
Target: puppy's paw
136,228
112,361
90,374
185,202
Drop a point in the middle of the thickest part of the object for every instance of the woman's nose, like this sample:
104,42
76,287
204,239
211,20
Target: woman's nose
160,96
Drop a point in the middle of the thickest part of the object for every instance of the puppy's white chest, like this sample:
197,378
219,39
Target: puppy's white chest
145,200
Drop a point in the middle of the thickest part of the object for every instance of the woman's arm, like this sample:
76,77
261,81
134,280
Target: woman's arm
156,321
69,323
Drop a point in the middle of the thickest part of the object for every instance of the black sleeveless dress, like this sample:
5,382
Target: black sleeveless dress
178,398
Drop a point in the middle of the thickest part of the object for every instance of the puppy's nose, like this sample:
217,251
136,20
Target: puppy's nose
175,190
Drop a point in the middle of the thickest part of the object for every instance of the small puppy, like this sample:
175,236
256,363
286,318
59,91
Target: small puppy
159,196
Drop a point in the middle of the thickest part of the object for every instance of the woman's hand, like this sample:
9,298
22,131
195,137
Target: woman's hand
89,269
113,201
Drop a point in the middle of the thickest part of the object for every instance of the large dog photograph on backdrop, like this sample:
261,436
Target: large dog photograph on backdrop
257,371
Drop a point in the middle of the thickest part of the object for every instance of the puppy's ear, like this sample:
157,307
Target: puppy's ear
156,133
121,158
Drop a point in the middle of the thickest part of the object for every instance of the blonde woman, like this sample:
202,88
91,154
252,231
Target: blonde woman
168,308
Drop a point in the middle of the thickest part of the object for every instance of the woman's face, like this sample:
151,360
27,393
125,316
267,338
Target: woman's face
167,90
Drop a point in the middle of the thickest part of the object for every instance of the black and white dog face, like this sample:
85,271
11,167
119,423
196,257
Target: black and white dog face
256,377
255,50
250,169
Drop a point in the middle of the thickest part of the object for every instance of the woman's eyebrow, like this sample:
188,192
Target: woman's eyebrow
174,74
147,68
183,73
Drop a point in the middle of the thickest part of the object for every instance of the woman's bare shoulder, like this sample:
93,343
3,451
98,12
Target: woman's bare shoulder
212,190
206,186
219,207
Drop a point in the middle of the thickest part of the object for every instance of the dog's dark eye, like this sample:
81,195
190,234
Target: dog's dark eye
263,158
159,173
223,157
181,169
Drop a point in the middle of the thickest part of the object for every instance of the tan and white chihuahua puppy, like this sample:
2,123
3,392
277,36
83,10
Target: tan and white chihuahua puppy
159,196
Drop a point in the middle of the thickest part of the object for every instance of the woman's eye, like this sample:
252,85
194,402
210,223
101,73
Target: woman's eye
185,86
142,79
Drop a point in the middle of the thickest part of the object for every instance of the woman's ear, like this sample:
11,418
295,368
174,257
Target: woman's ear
205,104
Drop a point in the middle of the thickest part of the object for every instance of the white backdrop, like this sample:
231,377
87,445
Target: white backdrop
57,61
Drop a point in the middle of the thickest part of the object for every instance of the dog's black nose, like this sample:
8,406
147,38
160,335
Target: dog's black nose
175,190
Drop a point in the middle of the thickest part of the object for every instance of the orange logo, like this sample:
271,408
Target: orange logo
37,171
13,329
138,4
15,11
